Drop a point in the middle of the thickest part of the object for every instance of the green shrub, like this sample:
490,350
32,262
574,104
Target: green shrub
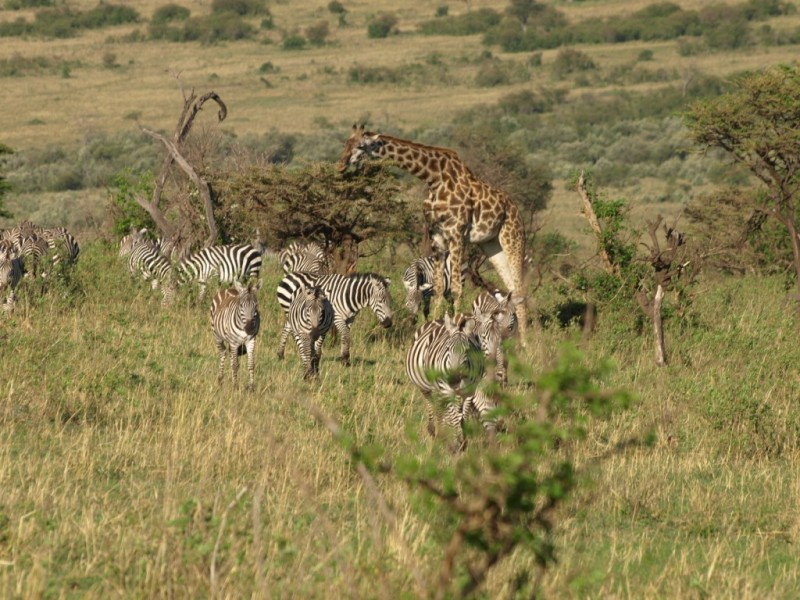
442,10
381,25
170,12
469,23
20,4
240,7
293,42
571,60
336,7
492,73
645,55
209,29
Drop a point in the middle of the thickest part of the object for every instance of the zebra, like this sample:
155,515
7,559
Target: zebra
235,262
33,251
235,323
10,275
418,282
501,308
144,257
452,348
69,247
310,318
304,257
347,294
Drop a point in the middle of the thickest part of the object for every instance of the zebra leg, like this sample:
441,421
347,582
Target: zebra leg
453,418
317,349
431,415
234,364
284,334
305,350
344,332
221,352
250,346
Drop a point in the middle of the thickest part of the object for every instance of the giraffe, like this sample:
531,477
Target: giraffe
459,207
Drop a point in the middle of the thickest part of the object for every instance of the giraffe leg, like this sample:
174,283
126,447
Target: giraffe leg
456,255
508,265
438,283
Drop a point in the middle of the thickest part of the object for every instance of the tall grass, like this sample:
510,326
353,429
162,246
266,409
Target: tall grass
127,471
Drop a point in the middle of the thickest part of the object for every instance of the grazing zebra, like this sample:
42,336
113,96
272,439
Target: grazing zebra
10,275
33,251
418,281
452,349
310,318
235,323
304,257
63,244
501,308
347,294
235,262
144,257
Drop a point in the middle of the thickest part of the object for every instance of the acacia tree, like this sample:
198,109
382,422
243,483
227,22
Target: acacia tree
759,125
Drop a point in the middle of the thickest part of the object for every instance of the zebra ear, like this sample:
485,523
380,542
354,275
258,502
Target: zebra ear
239,286
387,282
255,285
468,325
449,325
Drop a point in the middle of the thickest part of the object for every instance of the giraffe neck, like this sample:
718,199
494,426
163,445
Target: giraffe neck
426,162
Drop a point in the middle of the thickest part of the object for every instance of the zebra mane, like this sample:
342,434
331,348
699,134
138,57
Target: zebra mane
365,276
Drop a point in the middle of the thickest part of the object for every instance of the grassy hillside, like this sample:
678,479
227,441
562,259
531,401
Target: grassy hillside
128,472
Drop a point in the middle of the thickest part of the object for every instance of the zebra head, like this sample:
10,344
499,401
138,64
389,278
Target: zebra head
503,307
465,344
247,305
415,287
314,307
379,299
359,145
128,243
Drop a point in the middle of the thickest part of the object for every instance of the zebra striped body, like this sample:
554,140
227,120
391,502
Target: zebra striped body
304,257
64,246
146,259
310,318
33,251
451,349
235,262
418,281
10,275
348,295
235,323
500,308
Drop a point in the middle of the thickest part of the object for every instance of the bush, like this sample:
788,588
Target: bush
170,12
242,8
209,29
64,22
294,42
442,10
570,60
491,73
20,4
317,33
336,7
469,23
381,25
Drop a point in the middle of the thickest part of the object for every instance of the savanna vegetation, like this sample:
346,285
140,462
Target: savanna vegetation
651,427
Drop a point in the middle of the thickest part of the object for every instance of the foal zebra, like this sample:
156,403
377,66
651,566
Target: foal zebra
304,257
235,262
235,323
453,349
418,282
347,294
501,308
310,318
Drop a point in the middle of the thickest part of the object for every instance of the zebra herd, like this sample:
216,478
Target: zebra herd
464,351
28,250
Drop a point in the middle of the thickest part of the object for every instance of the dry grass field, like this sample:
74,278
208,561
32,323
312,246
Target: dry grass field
127,471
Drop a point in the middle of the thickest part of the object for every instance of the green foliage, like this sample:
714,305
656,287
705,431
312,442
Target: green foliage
572,60
126,213
293,42
64,22
410,74
336,7
209,29
502,498
312,202
244,8
469,23
21,4
170,12
22,66
381,25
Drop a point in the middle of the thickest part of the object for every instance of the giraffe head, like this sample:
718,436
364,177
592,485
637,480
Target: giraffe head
359,145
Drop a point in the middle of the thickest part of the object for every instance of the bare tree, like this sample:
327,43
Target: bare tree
192,105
